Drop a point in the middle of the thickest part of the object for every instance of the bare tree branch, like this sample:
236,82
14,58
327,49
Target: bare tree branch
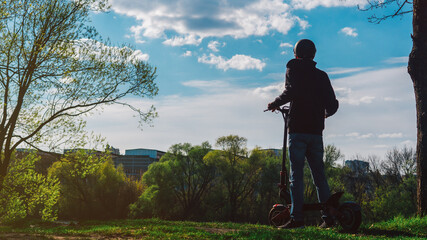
376,4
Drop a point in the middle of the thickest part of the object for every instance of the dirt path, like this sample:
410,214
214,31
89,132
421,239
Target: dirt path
27,236
35,236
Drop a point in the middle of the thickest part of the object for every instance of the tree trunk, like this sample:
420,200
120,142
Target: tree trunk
417,68
7,155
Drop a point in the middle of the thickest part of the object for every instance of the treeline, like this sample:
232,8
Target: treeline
234,184
198,183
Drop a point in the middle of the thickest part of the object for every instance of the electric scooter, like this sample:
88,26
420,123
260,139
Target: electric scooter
348,214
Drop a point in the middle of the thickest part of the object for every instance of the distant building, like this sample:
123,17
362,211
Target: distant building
114,151
46,158
357,166
136,161
86,150
156,154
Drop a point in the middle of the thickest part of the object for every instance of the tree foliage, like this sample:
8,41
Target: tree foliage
27,193
55,69
238,172
182,176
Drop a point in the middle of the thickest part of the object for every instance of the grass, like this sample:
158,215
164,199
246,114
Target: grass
398,228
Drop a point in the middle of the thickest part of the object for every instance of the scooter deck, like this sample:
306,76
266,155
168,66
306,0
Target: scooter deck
333,201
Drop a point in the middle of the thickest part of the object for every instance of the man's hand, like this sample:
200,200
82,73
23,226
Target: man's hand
271,107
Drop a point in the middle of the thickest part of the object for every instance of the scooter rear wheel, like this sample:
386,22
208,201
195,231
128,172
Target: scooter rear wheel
279,215
351,216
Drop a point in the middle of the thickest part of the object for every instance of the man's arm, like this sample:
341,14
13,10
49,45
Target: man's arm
286,95
331,102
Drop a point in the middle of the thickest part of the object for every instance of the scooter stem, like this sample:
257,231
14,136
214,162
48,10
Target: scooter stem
283,173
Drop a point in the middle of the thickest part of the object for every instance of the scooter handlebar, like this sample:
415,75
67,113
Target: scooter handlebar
284,109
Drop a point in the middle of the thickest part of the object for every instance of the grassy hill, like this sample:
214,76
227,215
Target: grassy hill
398,228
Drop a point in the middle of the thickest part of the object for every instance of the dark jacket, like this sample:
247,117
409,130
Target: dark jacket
311,95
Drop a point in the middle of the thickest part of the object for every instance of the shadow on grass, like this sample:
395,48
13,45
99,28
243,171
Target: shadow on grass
389,233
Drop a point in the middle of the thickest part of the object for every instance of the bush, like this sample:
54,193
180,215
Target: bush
391,201
26,193
92,188
159,199
144,206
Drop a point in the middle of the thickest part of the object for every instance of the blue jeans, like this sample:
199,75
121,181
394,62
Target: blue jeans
302,146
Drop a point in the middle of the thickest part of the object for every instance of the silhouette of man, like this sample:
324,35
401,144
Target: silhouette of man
312,99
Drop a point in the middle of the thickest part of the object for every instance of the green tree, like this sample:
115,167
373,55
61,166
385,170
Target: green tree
237,172
55,69
27,193
399,164
193,175
389,187
158,199
183,177
265,191
332,155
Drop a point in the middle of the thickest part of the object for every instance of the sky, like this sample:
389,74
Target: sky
219,63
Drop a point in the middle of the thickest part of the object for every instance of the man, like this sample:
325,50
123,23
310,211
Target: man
312,99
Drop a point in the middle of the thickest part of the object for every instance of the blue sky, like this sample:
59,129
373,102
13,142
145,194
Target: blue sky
219,63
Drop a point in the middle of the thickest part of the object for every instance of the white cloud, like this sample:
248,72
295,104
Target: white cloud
381,146
181,41
391,135
210,86
286,45
346,95
370,87
238,62
310,4
397,60
184,22
137,54
366,99
198,19
336,71
349,31
187,54
270,91
353,134
371,135
392,99
409,143
364,136
85,47
303,24
213,45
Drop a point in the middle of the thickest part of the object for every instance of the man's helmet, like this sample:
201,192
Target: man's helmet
305,48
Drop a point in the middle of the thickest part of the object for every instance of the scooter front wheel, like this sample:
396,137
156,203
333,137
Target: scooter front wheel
279,215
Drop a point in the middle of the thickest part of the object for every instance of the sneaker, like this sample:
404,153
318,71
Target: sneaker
292,224
326,225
